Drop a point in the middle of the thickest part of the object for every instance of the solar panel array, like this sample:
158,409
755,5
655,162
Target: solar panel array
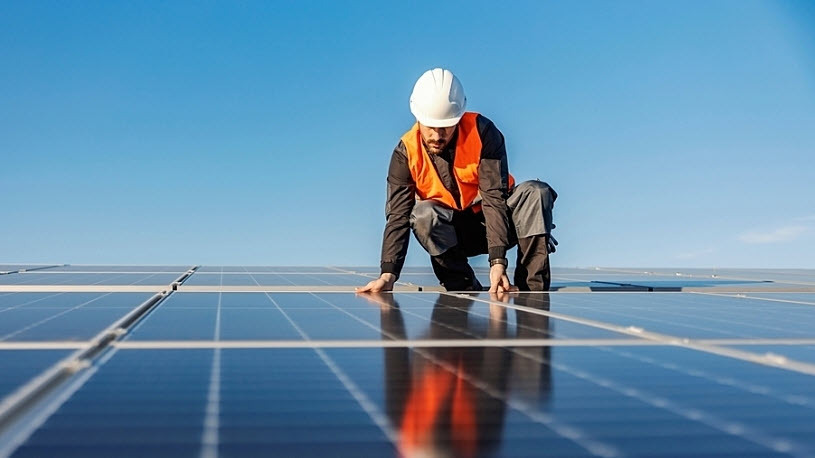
287,361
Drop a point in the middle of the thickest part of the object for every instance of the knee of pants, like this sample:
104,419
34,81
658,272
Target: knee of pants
537,189
426,212
432,224
532,203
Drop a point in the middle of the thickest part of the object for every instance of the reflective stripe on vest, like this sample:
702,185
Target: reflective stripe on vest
465,165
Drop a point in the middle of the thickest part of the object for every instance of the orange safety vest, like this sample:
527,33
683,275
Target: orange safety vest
465,165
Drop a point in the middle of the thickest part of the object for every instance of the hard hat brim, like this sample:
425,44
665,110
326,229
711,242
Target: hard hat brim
430,122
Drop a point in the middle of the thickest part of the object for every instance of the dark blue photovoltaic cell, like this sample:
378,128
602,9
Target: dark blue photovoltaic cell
193,316
17,367
272,269
625,399
149,403
118,268
371,399
63,316
63,301
531,401
442,316
291,404
330,316
41,278
691,315
272,404
274,279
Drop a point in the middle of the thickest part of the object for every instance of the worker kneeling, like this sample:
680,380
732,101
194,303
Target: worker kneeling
449,183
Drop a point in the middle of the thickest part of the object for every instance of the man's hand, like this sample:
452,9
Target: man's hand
499,282
383,283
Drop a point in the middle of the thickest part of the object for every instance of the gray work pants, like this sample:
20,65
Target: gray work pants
450,236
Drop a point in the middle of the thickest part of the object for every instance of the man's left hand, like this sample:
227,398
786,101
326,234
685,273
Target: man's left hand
499,282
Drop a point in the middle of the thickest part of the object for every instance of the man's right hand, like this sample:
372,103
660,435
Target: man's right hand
383,283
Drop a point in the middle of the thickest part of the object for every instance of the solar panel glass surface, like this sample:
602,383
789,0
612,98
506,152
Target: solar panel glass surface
331,316
275,279
370,402
120,268
19,366
62,316
334,373
73,279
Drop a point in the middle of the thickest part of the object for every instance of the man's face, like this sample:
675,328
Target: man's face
436,138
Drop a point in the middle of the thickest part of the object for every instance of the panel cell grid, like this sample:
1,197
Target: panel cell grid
591,372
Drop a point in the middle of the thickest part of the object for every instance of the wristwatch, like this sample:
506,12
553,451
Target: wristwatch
502,261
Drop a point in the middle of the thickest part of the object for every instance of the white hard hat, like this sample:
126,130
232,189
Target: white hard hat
438,99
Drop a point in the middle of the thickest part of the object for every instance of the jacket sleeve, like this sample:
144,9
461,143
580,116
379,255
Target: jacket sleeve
493,179
400,200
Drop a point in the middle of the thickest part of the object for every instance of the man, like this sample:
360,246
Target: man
449,182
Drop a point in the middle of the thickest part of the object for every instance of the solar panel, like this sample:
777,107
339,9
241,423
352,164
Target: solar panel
118,269
601,367
62,316
21,366
337,316
14,268
271,269
275,279
42,278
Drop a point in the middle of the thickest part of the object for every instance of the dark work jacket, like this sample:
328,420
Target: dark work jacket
493,174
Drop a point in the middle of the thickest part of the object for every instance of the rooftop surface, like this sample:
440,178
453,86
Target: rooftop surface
211,361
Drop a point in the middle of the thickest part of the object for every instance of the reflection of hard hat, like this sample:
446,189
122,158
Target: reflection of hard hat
438,99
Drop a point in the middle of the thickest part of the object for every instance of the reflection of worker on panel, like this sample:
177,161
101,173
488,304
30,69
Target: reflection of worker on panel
448,401
531,374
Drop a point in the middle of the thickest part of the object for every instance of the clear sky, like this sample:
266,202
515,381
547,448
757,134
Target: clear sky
677,133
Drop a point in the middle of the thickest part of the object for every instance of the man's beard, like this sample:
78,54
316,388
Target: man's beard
435,147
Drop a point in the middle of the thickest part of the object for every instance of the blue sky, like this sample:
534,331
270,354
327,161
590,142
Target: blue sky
676,133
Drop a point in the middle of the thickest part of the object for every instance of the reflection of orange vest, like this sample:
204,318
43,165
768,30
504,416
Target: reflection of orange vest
440,403
465,165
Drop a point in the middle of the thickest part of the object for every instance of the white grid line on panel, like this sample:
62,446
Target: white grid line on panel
51,317
12,307
43,384
624,314
747,387
400,343
424,343
734,428
366,404
726,426
768,360
570,432
22,430
748,295
210,436
714,315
